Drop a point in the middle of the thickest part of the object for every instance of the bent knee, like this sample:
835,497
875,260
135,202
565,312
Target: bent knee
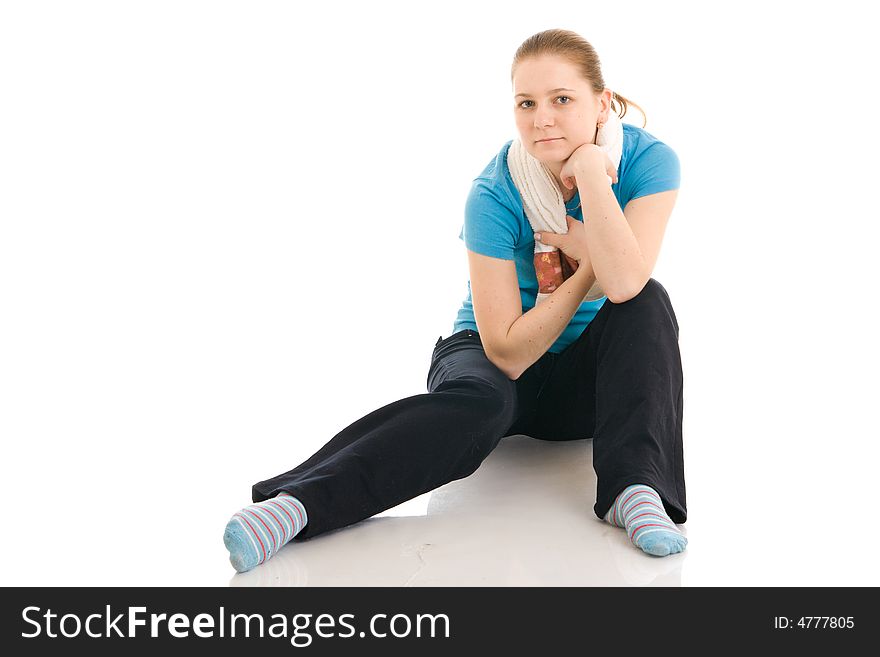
651,305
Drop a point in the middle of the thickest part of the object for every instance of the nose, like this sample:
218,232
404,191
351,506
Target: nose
543,119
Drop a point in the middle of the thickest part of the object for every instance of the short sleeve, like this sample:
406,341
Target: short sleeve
490,226
657,170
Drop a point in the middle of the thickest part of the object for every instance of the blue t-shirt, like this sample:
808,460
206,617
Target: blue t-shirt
496,225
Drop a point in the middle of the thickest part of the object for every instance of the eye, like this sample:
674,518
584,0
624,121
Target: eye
557,98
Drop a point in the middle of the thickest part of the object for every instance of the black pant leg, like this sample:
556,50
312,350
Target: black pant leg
621,383
408,447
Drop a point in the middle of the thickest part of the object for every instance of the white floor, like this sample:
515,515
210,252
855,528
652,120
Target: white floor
524,518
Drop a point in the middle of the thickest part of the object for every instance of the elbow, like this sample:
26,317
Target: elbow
622,294
513,374
619,297
510,370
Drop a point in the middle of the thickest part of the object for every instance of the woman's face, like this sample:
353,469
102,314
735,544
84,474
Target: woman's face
552,101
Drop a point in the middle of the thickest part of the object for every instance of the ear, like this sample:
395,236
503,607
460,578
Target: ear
605,101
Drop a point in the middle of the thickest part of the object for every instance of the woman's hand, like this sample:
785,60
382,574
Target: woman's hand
587,160
573,244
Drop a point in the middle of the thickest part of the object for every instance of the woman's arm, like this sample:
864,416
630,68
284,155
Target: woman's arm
513,341
611,243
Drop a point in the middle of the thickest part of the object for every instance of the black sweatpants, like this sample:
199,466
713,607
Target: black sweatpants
619,383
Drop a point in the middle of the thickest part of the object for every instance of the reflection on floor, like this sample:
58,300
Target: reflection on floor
524,518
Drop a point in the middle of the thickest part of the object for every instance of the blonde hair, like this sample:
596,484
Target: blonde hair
577,50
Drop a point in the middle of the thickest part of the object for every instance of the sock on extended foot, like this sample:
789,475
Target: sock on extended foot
638,508
258,531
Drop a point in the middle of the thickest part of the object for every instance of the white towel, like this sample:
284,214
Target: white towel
542,199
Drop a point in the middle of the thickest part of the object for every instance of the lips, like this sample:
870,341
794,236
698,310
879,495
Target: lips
548,139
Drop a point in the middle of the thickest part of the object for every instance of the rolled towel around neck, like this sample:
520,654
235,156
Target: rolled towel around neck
545,208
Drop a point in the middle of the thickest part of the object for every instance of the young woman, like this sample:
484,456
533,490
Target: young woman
562,369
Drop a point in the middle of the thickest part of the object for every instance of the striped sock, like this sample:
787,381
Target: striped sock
639,509
258,531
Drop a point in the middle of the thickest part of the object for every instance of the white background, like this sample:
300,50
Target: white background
230,229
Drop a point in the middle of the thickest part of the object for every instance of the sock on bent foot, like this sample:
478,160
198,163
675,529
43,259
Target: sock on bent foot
639,509
258,531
